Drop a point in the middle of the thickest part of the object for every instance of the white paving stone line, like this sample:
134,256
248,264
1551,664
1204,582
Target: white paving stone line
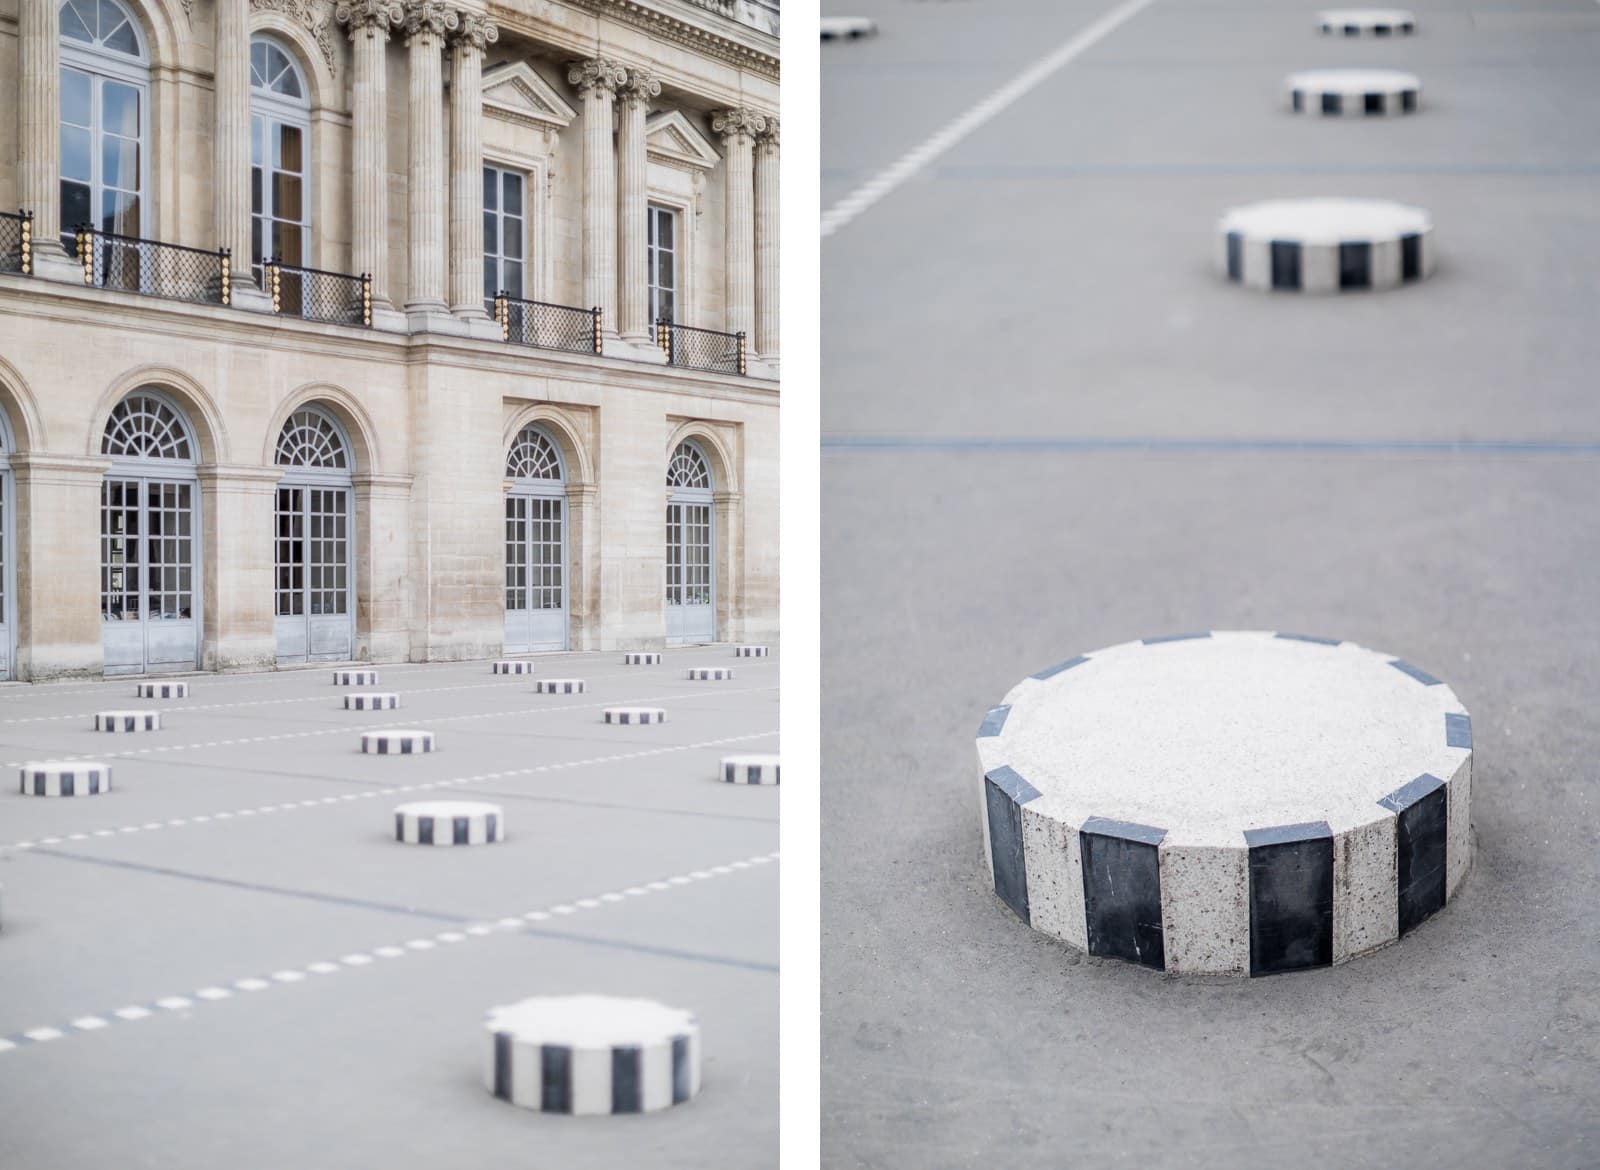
358,959
290,806
542,709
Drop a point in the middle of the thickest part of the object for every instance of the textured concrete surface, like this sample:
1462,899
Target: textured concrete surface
358,970
1426,489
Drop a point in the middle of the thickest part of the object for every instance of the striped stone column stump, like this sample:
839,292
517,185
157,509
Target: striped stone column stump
560,686
589,1054
372,701
1325,245
449,822
750,769
355,678
1366,22
513,666
1359,93
1230,803
123,722
752,651
396,743
162,690
69,778
641,658
710,673
628,716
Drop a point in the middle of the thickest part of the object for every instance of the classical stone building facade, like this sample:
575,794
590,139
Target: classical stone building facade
385,330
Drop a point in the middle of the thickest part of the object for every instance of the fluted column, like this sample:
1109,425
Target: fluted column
597,80
38,99
633,294
427,22
466,164
370,22
230,147
738,129
766,184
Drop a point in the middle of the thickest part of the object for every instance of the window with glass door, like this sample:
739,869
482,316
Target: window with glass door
504,234
662,262
280,154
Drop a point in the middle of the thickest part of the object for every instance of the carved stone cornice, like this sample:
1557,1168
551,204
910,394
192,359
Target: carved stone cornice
477,31
732,123
312,17
738,50
641,85
373,17
430,18
596,73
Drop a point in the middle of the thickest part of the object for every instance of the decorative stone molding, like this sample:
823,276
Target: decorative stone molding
675,141
514,92
596,73
732,123
477,31
374,17
428,17
311,16
679,31
769,136
640,86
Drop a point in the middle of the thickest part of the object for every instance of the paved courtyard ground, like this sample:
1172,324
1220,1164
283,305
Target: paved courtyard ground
1049,427
229,961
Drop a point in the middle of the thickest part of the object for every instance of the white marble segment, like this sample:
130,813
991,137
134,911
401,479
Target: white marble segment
1205,907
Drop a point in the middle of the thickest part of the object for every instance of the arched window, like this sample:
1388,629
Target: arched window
309,439
143,426
533,456
280,158
688,468
105,86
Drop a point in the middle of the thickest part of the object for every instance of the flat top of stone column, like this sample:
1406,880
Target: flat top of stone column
1211,735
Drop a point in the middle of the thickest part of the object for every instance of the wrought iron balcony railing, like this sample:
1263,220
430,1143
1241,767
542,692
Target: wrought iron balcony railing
316,295
547,326
155,269
701,349
16,242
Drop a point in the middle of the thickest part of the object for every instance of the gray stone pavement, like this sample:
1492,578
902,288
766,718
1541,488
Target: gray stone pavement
1088,438
249,842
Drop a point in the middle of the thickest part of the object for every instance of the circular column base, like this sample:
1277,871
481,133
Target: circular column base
396,743
449,822
372,701
124,722
560,686
635,715
750,769
68,778
355,678
1325,245
162,690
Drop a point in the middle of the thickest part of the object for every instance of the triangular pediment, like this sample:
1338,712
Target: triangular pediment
512,90
673,139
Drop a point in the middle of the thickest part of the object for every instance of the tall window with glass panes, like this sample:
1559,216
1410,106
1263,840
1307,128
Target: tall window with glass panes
661,264
504,223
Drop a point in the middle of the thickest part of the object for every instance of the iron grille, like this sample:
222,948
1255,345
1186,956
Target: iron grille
155,269
316,295
16,242
701,349
547,326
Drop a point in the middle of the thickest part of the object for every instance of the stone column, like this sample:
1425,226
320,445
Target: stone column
766,339
58,540
738,129
237,519
427,22
370,22
633,297
38,100
230,149
597,80
466,171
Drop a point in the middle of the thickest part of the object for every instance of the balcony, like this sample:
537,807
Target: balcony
16,242
154,269
546,326
314,294
701,349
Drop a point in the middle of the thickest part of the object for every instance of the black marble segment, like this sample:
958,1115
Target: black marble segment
1291,897
494,827
1355,265
399,826
1458,731
1372,103
424,830
1415,672
67,781
994,722
1285,264
626,1084
1235,256
1422,812
502,1065
1410,257
1006,793
1052,671
555,1089
1176,637
1122,890
461,829
1298,99
1309,638
1330,103
1408,101
680,1070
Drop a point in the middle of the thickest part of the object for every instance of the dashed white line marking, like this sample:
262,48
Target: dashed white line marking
90,1023
174,1003
213,993
41,1035
323,968
132,1013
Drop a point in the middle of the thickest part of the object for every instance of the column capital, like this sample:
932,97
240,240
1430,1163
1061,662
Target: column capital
429,18
373,17
741,121
639,86
768,137
476,32
596,74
